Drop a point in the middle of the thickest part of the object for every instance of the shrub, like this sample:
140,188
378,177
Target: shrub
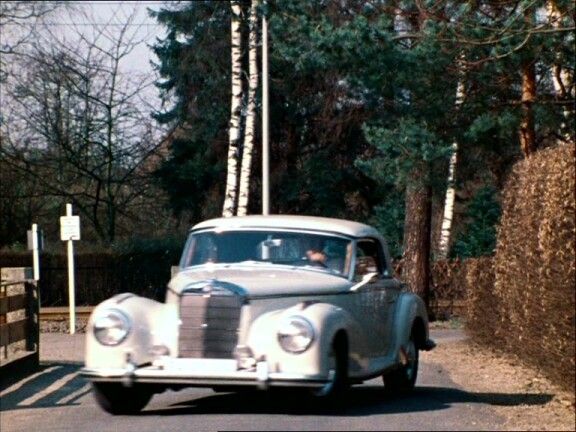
534,289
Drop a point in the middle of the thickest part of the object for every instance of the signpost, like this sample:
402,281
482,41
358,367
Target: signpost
265,121
70,231
36,245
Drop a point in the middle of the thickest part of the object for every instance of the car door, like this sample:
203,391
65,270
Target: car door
376,298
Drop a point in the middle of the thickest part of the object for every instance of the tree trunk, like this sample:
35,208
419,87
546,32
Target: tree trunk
418,213
446,230
448,215
527,132
246,169
417,223
230,196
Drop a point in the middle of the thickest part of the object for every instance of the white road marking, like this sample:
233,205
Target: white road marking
51,388
21,383
74,395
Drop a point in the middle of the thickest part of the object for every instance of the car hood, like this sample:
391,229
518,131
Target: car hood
260,281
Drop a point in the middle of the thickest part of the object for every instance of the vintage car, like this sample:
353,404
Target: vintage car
262,302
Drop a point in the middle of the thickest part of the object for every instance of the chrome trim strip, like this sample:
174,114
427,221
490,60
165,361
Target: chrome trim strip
159,376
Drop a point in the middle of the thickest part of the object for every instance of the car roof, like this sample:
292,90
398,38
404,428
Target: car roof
340,226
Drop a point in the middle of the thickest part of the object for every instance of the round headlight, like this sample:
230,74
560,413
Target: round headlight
295,335
111,327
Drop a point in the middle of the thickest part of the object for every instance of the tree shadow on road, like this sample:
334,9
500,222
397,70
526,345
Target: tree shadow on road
361,401
53,385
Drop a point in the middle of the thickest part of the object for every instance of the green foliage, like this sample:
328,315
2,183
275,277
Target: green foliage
401,150
194,84
479,235
191,172
357,109
489,127
389,220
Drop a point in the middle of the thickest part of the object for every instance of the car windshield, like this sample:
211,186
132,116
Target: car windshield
329,253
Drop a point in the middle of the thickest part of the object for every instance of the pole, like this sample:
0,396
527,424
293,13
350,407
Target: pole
265,145
35,253
71,282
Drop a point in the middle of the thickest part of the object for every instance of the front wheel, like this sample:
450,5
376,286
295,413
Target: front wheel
115,398
403,378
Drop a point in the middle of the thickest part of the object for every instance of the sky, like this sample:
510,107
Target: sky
113,14
84,17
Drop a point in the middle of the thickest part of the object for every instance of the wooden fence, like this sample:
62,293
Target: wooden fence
19,321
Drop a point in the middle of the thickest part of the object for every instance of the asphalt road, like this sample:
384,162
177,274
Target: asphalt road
57,399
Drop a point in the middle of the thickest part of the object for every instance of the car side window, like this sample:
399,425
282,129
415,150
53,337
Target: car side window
369,258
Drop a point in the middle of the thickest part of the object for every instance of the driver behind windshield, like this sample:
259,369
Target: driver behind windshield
316,257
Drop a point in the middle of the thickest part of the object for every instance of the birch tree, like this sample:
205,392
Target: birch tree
230,196
448,213
246,169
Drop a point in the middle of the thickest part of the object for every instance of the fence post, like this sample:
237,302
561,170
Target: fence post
33,316
3,316
20,326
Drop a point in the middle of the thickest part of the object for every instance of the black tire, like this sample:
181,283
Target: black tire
115,398
339,383
403,378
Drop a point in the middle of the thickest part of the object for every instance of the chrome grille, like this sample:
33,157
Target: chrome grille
209,325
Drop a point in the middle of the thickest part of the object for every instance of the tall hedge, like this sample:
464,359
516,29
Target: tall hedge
482,317
535,263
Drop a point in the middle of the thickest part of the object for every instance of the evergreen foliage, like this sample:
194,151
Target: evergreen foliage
363,95
479,235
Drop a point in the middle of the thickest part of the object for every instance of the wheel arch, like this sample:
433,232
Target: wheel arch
411,320
340,341
418,332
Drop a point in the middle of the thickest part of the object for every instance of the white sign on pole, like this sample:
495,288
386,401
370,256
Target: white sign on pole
69,228
35,238
70,231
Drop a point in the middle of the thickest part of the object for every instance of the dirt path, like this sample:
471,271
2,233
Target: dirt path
520,394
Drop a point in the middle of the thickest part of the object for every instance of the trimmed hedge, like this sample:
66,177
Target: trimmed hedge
530,311
447,288
482,318
535,256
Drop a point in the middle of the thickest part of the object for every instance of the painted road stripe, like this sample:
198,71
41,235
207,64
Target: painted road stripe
21,383
51,388
78,393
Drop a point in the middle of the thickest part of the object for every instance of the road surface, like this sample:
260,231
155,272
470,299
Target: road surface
57,399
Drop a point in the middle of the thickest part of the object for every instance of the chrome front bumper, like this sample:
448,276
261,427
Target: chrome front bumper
202,373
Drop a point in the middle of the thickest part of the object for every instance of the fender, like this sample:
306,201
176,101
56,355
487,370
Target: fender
409,309
326,319
153,323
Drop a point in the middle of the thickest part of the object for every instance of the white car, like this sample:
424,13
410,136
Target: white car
262,301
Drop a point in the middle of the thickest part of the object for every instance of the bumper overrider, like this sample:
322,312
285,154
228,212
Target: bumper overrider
202,373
